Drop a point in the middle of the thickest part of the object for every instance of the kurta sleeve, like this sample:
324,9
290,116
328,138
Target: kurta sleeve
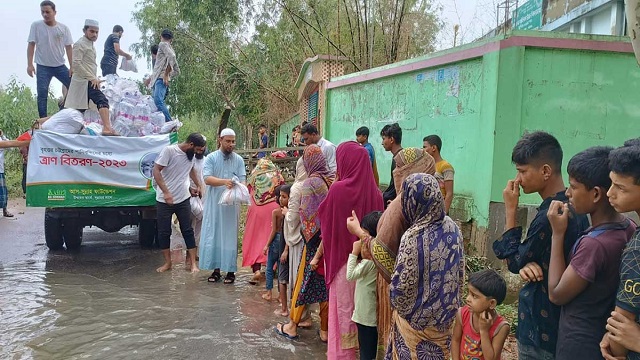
80,68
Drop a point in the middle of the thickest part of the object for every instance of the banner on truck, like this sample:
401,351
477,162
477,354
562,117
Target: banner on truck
66,170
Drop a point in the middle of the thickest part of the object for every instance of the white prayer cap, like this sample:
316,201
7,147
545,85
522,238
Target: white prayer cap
90,22
227,132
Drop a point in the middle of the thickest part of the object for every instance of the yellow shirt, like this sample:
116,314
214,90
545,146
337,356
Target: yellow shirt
444,172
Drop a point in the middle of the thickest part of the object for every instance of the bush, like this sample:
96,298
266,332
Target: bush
18,110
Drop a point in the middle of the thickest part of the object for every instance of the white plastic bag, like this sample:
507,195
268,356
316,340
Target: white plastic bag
237,195
176,239
196,207
66,121
128,65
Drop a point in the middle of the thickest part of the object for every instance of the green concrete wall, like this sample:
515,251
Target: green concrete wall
285,129
481,106
584,98
447,101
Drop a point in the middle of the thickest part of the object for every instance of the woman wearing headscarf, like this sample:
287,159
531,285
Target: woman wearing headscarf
355,190
262,184
292,234
426,282
310,286
390,229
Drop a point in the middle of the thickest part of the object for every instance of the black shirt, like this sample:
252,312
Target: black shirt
110,56
537,316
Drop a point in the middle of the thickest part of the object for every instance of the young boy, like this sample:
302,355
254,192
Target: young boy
624,195
538,159
444,171
479,332
362,137
283,251
586,286
272,249
365,274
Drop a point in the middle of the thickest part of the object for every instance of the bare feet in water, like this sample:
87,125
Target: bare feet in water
267,295
163,268
255,279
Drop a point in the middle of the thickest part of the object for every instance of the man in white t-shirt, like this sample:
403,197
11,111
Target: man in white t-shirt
172,169
48,41
310,136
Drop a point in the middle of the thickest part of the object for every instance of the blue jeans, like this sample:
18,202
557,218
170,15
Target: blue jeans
273,256
159,92
44,74
528,352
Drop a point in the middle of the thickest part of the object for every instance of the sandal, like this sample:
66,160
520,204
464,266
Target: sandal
230,278
279,329
215,277
7,214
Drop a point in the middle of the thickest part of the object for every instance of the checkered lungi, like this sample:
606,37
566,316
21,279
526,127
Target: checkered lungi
4,193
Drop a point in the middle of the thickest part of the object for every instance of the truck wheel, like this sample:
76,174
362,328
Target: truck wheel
72,233
52,231
147,232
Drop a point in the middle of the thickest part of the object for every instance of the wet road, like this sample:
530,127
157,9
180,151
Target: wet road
107,301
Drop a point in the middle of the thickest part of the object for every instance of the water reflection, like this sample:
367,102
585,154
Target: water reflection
106,301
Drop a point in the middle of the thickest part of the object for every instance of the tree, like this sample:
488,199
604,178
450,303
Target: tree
19,112
221,64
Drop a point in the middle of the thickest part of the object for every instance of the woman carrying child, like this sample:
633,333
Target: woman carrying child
310,286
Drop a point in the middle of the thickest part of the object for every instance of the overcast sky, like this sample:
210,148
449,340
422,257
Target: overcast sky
474,17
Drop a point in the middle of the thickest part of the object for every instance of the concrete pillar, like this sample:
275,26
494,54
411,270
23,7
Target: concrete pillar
585,25
617,18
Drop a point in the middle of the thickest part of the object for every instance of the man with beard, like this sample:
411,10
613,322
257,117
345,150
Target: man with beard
172,169
85,84
219,238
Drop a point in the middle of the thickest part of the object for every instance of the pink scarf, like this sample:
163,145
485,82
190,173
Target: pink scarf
355,190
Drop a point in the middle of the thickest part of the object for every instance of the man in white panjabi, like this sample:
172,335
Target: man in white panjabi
219,237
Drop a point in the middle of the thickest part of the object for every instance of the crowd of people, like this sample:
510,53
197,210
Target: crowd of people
49,40
392,283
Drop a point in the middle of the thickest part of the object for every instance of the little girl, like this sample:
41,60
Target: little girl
365,274
275,242
283,266
479,332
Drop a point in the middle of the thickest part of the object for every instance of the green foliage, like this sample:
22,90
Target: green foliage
18,110
220,64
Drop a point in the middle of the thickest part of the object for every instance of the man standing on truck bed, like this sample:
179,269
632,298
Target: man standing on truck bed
172,170
109,62
85,84
48,41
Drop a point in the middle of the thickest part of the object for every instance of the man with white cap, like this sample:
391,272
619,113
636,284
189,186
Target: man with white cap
219,237
85,84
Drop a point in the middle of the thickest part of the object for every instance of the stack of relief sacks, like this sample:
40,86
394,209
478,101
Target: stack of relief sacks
132,113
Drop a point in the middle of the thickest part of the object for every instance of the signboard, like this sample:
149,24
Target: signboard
528,16
68,170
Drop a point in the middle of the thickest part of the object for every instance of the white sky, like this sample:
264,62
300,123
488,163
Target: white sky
474,16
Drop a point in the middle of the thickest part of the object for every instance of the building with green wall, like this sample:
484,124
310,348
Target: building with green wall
480,98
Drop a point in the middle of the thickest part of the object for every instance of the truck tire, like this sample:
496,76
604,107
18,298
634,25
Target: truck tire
53,231
72,233
147,233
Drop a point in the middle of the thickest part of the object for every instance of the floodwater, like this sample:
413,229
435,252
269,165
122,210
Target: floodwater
106,301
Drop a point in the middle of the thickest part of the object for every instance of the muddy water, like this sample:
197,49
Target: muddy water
106,301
